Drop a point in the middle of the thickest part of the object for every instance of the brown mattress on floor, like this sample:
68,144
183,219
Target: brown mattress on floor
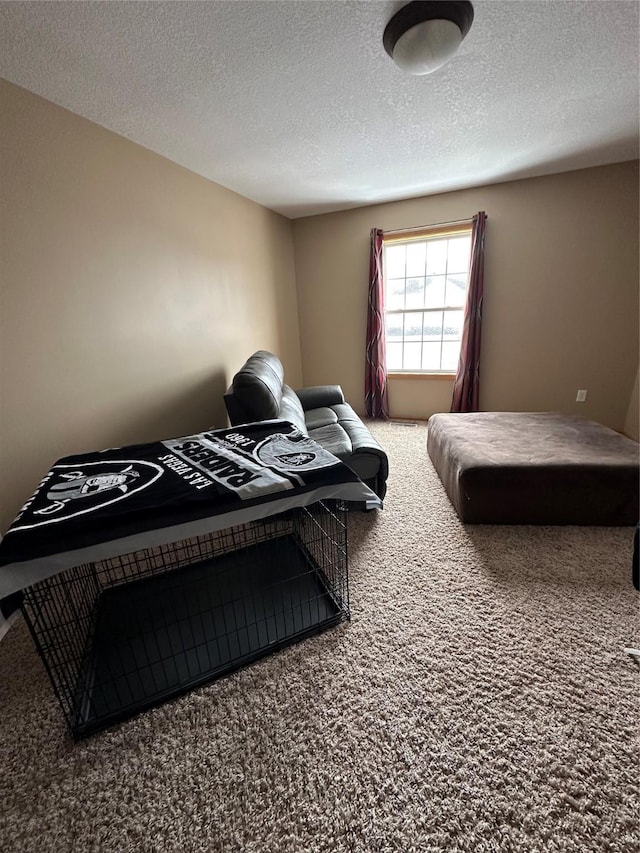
535,468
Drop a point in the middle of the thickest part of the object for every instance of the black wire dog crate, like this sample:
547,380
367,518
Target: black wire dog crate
125,634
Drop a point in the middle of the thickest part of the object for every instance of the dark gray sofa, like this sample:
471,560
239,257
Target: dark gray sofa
258,392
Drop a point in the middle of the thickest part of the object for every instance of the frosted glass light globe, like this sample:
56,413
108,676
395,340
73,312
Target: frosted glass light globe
427,46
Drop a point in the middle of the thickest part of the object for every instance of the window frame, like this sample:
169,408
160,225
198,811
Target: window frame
422,234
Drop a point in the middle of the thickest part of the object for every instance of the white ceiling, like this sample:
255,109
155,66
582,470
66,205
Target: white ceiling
297,106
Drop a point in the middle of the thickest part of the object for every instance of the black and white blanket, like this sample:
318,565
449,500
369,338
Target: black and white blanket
105,504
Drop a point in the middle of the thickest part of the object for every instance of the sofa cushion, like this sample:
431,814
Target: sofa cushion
258,385
368,458
291,408
334,439
317,418
357,431
319,396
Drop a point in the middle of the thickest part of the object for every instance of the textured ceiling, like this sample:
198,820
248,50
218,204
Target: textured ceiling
297,106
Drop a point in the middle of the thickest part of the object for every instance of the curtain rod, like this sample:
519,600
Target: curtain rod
433,225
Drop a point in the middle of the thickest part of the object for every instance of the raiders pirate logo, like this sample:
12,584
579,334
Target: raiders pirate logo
73,490
293,453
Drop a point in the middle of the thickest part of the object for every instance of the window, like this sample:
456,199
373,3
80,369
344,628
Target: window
426,274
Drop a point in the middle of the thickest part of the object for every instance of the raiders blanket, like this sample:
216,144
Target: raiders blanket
105,504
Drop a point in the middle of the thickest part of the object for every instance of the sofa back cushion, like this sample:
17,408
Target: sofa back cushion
258,385
291,409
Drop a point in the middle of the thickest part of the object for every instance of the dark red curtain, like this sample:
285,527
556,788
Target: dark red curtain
375,374
466,388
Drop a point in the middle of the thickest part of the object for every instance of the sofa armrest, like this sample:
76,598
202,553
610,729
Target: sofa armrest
318,396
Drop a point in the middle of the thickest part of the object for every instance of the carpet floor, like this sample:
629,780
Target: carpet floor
480,699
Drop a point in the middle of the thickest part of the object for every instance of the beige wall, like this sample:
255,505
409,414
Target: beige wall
131,291
632,421
561,294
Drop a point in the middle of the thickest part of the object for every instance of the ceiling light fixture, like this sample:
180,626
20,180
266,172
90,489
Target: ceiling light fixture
425,34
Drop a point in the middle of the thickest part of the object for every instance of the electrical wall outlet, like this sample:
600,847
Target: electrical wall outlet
581,396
